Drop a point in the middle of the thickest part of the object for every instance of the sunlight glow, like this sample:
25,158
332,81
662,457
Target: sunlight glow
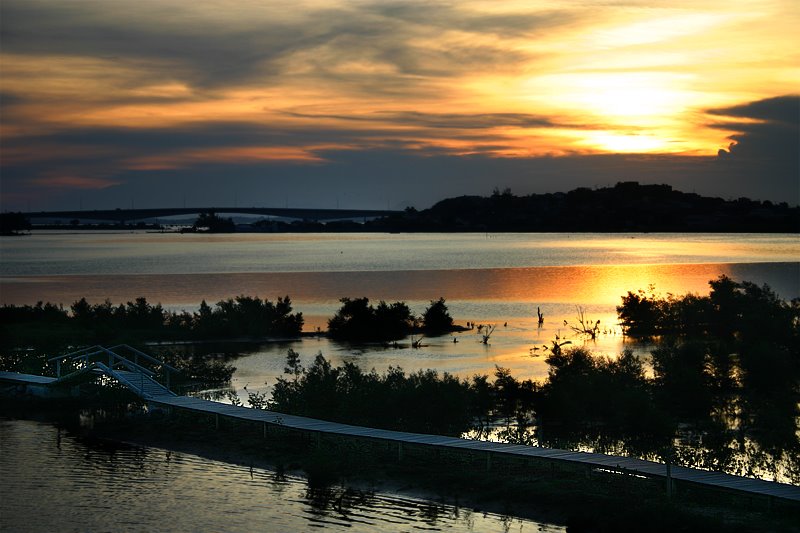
625,143
508,80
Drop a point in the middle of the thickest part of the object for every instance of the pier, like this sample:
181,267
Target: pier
130,371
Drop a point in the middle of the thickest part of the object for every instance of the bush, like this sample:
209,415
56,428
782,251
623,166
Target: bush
52,327
358,321
422,402
436,319
584,393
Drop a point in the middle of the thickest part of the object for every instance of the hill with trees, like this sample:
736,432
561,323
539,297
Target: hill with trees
625,207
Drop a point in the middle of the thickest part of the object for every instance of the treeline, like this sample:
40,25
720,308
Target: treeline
13,223
428,402
627,206
730,309
421,402
734,353
49,325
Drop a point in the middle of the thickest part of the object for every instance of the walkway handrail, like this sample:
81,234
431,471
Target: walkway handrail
110,372
148,357
71,354
133,367
114,358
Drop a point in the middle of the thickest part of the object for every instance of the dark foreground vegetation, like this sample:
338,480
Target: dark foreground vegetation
725,384
721,390
721,393
358,321
50,327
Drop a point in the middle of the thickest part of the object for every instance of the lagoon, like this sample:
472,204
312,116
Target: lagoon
492,279
63,481
486,278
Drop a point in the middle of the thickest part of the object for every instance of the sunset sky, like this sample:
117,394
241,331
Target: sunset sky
372,104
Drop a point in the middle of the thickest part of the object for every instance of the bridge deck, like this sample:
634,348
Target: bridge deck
596,460
592,460
152,213
21,379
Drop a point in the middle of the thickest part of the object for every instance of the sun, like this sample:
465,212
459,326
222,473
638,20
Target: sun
625,143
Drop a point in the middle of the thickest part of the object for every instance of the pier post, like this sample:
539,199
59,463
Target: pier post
216,421
265,430
669,480
488,461
399,452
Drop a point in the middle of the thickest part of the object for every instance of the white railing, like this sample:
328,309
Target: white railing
90,355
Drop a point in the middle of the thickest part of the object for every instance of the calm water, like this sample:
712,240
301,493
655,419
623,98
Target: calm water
53,481
495,279
488,279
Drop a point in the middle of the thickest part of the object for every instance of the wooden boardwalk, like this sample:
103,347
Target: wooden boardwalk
160,396
594,460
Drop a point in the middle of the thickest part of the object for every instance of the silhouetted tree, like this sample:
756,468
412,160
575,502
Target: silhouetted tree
214,223
356,320
436,319
13,223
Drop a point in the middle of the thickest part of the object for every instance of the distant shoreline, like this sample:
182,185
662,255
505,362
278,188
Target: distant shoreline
625,207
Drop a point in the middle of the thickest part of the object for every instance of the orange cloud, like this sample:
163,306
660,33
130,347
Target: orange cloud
67,181
236,154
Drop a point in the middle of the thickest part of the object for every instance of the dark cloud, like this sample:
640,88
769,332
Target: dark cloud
451,16
178,41
442,120
778,110
762,163
8,100
766,147
396,177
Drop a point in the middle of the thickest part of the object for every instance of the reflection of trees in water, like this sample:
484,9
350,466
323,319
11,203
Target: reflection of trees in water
339,501
738,429
724,392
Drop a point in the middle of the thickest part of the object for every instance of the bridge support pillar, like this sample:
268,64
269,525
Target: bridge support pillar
488,461
216,421
399,452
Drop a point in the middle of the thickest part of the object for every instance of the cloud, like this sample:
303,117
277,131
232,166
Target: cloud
221,43
66,181
322,97
778,110
765,145
441,120
316,159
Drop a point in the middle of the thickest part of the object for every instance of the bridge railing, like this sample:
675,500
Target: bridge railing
139,355
96,353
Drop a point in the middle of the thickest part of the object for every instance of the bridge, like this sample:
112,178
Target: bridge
128,215
98,362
